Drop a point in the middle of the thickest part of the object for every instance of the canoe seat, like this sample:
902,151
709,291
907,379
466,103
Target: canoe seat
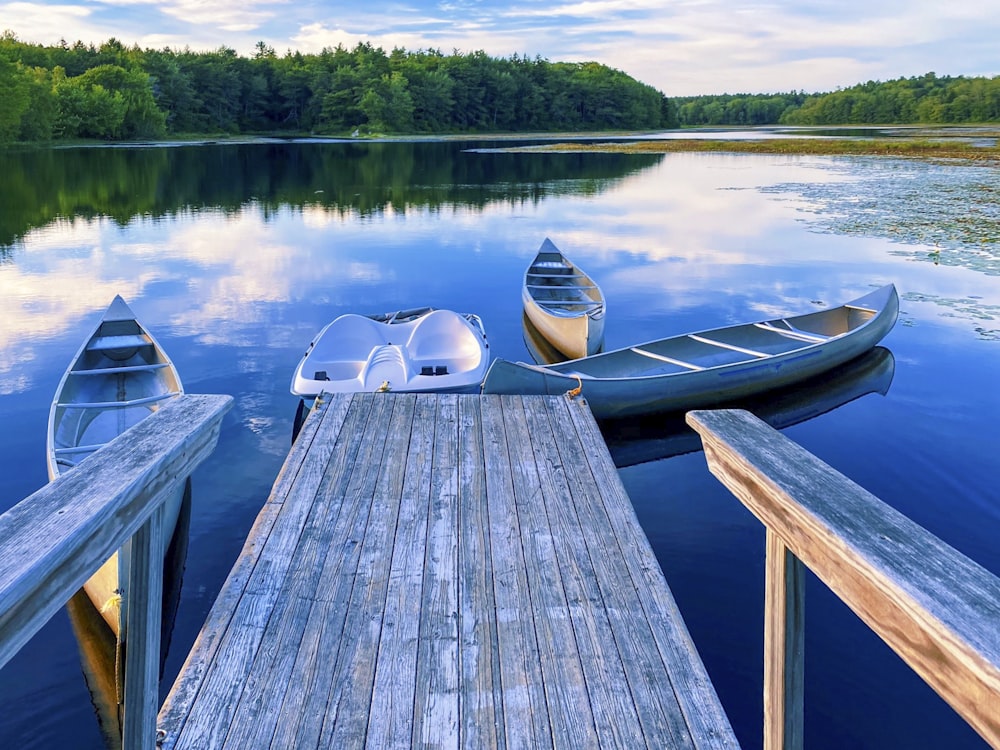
561,276
569,302
106,343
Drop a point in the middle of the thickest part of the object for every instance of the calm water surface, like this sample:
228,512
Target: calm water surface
236,255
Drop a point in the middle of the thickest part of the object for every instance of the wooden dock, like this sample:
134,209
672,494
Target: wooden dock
445,571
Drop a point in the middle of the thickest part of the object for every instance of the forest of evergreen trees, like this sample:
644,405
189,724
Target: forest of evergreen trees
116,92
926,99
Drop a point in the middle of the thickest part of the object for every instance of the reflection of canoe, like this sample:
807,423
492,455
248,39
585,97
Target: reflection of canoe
638,440
412,350
119,377
101,658
538,346
564,303
702,369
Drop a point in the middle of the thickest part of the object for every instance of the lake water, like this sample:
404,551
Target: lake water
236,255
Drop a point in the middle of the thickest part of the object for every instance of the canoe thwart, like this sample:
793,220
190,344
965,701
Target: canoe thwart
793,333
731,347
77,449
118,404
668,360
119,370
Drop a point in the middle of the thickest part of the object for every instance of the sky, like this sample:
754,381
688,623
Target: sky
681,47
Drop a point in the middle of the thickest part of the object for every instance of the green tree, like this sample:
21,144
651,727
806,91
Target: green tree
142,118
14,100
335,91
39,120
86,110
173,89
388,105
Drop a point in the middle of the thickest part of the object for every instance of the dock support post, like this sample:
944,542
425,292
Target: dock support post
142,635
784,624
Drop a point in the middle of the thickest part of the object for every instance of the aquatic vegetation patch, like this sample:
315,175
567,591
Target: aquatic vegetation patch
937,211
967,308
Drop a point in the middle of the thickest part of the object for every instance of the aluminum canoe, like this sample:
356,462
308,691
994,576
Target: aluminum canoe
564,303
702,369
119,376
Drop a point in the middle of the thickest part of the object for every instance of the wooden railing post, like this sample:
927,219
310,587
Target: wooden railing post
142,634
784,622
931,604
54,540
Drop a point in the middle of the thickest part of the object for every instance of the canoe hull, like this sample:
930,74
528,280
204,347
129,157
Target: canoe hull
614,385
636,440
119,376
564,303
574,337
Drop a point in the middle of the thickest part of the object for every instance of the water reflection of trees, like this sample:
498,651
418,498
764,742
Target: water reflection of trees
45,185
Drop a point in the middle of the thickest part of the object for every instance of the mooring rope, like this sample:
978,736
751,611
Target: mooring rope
574,392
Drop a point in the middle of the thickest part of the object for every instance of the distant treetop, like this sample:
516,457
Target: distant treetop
926,99
119,93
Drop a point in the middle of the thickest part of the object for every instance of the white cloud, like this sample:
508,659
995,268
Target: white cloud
681,47
41,22
227,15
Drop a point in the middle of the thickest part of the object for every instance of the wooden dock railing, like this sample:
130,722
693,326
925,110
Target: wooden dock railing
54,540
933,606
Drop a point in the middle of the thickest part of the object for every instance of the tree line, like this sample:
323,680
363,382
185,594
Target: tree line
926,99
123,93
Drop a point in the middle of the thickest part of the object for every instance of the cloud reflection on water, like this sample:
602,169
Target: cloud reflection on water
691,225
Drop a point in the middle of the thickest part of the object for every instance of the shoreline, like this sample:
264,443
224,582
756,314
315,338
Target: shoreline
790,146
975,144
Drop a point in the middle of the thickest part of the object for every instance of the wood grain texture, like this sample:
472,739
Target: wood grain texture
536,483
784,646
479,678
588,568
142,662
391,721
932,605
58,537
525,714
703,720
451,577
436,713
307,460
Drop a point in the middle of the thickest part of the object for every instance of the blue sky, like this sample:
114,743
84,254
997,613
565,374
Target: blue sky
681,47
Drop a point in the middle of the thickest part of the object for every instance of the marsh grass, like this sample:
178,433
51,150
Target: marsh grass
941,149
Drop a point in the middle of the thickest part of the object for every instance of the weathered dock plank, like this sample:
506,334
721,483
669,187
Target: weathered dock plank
525,716
447,571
